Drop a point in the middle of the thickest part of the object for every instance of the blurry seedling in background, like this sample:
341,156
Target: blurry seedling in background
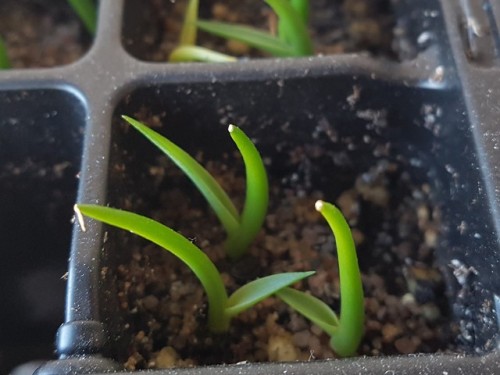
241,228
292,37
187,49
86,10
345,332
4,57
221,307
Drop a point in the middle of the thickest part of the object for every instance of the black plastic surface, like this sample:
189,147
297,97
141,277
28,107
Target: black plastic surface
41,134
449,59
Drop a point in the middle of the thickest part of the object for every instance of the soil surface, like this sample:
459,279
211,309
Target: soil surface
41,34
163,306
339,26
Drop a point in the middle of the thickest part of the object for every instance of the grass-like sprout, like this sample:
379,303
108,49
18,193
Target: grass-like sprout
86,10
189,29
241,229
187,50
4,57
345,332
221,307
292,39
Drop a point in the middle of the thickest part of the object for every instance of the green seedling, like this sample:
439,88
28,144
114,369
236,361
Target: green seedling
86,10
292,39
345,332
187,50
241,229
221,307
4,57
189,30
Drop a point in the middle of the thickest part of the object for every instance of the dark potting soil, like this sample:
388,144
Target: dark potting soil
42,33
162,306
339,26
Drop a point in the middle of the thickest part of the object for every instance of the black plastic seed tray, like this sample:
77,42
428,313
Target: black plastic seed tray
433,113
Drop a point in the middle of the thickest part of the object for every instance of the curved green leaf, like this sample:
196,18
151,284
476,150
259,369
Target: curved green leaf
257,290
257,195
188,31
248,35
346,339
87,12
302,8
311,307
291,23
206,184
179,246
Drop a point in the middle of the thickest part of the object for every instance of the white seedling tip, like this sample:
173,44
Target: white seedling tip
79,217
319,205
231,128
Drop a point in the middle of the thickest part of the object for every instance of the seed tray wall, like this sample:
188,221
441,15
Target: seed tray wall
57,138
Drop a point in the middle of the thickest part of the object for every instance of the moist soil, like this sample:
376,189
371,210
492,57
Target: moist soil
162,306
339,26
41,34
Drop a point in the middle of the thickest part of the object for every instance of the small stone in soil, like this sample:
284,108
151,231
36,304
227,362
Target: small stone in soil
166,358
390,332
150,302
280,348
407,345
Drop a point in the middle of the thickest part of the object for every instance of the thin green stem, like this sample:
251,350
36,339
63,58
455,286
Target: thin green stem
4,57
292,25
345,340
257,195
87,12
302,8
189,30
